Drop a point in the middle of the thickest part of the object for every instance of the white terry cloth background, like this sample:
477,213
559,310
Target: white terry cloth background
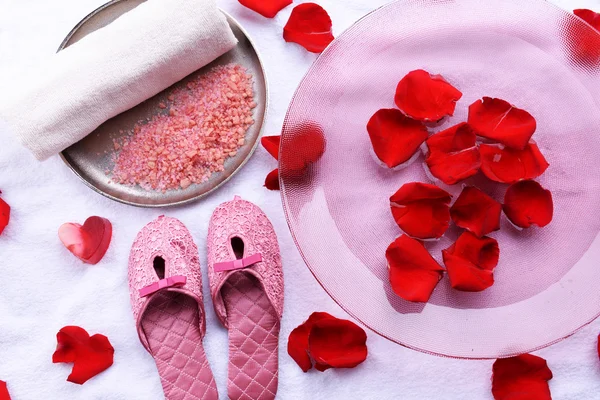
112,70
43,287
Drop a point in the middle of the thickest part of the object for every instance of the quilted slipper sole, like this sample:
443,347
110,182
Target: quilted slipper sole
171,325
253,339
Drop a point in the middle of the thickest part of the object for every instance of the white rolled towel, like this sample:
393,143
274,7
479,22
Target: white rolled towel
138,55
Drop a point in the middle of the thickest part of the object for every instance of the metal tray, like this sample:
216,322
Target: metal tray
92,156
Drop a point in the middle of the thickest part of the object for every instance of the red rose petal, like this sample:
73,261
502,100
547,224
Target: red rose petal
470,262
581,43
89,355
523,377
527,203
308,143
589,16
394,136
4,395
421,210
507,165
309,26
476,211
4,215
272,180
498,120
426,97
413,272
337,343
271,144
89,242
266,8
298,340
453,154
598,346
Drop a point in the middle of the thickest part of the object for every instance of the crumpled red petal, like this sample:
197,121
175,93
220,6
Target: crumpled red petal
298,340
426,97
272,180
329,341
476,211
421,210
589,16
394,136
266,8
527,203
470,262
498,120
505,165
337,343
309,26
4,395
523,377
89,242
271,144
413,272
4,215
453,154
90,355
308,142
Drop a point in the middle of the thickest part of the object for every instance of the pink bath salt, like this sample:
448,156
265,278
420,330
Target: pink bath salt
206,124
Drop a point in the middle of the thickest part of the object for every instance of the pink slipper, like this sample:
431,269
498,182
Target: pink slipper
165,285
246,282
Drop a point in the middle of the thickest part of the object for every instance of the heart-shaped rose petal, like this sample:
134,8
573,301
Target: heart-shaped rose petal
88,242
90,355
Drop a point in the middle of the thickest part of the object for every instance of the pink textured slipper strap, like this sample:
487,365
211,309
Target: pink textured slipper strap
239,263
172,281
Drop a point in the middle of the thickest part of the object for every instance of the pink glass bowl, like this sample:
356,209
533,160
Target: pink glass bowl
528,52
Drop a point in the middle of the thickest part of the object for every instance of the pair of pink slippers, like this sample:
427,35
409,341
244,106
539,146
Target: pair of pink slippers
246,285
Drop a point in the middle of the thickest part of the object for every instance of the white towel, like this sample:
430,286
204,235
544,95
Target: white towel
112,70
